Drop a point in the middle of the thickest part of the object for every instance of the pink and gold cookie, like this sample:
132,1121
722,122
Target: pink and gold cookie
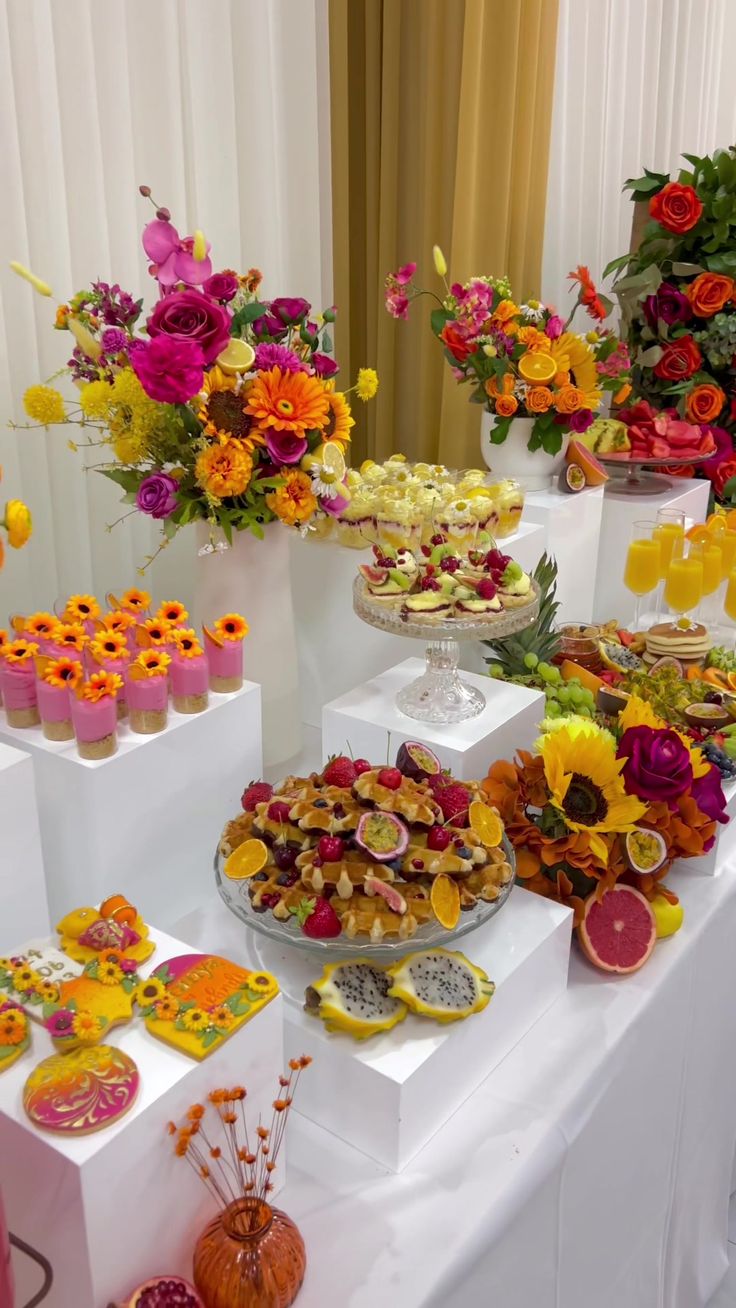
81,1092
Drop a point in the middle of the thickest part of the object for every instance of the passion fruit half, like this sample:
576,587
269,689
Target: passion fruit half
707,715
610,700
382,836
571,479
417,761
646,850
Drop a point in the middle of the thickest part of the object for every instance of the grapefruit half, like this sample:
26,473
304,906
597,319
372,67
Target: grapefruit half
619,931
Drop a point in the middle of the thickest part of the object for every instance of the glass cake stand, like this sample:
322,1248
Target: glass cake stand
634,481
439,694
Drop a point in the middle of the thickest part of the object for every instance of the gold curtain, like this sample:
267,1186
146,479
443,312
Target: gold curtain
440,119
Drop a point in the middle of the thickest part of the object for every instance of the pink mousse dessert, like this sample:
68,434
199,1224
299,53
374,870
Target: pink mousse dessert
148,692
18,683
39,628
190,674
109,651
69,640
83,609
95,715
224,648
55,679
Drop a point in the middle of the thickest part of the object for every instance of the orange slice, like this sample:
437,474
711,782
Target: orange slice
537,367
699,533
486,824
445,901
246,860
716,522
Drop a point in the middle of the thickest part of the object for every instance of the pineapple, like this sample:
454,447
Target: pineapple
539,638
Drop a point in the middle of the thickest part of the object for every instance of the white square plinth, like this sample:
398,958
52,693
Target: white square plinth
725,843
361,720
25,910
146,820
620,512
336,649
572,524
115,1207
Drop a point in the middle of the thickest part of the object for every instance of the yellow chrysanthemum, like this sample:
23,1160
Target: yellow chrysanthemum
18,523
367,383
134,419
95,399
224,470
86,1027
288,401
574,356
583,776
149,992
44,404
293,502
195,1019
339,420
223,414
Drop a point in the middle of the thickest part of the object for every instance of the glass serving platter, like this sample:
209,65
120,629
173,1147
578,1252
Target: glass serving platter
235,895
634,481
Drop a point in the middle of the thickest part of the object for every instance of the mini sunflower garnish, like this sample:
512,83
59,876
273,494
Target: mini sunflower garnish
173,612
48,992
81,608
40,625
222,1017
187,644
72,635
19,651
24,978
195,1019
63,672
13,1027
87,1027
167,1010
109,974
153,662
136,600
231,627
100,685
159,631
118,621
149,992
109,645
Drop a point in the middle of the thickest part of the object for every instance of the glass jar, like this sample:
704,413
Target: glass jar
249,1256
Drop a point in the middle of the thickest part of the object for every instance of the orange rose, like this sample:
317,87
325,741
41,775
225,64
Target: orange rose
506,406
538,399
507,386
704,403
561,379
709,292
569,399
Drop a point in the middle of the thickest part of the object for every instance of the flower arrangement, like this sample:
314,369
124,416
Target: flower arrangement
678,297
522,360
222,407
568,806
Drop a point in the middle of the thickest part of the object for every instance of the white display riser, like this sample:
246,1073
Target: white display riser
572,525
24,909
145,821
620,512
361,721
389,1095
115,1207
725,843
336,649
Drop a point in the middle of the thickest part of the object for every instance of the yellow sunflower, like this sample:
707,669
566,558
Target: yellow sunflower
638,713
118,621
135,600
159,632
149,992
223,414
72,635
583,776
48,992
294,502
222,1017
573,355
40,624
80,608
101,684
173,613
231,627
224,470
63,673
288,401
13,1027
20,651
339,419
109,974
195,1019
86,1027
153,662
109,645
24,978
187,644
168,1009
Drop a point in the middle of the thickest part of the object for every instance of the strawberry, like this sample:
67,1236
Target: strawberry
453,798
256,792
340,771
391,778
317,918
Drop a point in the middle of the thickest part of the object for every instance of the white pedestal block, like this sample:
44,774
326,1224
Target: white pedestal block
572,525
146,820
363,718
336,649
115,1207
25,910
725,843
620,512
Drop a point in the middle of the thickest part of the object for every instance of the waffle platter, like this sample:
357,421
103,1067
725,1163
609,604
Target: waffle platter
382,900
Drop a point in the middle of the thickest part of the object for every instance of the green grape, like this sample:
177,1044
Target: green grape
585,712
495,670
564,695
577,694
531,660
553,709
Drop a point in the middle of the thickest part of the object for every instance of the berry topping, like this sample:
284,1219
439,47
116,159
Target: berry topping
270,900
340,771
496,560
438,839
279,811
418,864
450,563
289,878
438,539
284,856
331,849
317,918
429,583
486,589
391,778
453,798
257,792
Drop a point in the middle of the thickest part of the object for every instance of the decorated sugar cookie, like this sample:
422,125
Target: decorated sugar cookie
195,1001
15,1034
32,976
90,1005
115,925
81,1092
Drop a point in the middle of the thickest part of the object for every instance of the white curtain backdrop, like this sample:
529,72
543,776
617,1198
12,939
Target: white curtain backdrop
222,108
637,82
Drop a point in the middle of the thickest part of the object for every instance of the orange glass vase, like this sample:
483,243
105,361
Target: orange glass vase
249,1256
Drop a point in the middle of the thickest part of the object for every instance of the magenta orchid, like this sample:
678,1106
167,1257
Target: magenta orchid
172,256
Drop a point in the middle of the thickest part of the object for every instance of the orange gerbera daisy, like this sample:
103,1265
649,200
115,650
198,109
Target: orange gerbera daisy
136,600
13,1027
223,413
288,401
173,613
159,631
231,627
40,624
63,672
19,651
153,662
224,470
187,644
80,608
109,645
72,635
339,420
101,684
294,502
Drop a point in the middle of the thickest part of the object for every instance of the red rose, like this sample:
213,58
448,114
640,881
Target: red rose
723,473
676,207
680,359
455,339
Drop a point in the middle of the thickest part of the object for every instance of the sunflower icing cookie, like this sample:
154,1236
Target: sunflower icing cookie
91,1004
195,1001
15,1034
86,932
32,976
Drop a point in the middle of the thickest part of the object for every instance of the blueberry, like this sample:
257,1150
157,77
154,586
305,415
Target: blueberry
464,852
288,878
320,803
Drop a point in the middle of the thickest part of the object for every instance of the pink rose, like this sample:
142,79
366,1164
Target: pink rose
169,368
192,317
285,446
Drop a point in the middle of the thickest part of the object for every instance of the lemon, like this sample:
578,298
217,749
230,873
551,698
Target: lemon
332,460
237,356
537,367
245,861
669,917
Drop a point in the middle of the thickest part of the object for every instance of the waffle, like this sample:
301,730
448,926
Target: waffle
365,915
345,875
331,812
270,830
448,860
485,883
410,801
236,833
285,897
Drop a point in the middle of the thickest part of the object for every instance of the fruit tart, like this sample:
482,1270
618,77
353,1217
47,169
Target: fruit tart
445,581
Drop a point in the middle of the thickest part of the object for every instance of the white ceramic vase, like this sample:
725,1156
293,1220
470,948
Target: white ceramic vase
512,459
253,578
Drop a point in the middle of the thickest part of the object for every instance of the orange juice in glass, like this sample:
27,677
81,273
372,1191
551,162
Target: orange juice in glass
729,603
641,572
683,587
671,537
727,542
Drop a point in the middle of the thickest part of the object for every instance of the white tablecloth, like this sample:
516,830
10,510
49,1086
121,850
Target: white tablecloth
591,1170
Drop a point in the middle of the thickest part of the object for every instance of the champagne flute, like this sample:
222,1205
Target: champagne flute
712,558
670,532
683,587
729,603
641,572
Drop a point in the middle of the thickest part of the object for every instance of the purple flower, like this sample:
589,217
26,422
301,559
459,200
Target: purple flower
268,325
113,340
271,355
222,286
397,305
285,446
580,421
657,766
157,495
169,368
709,797
59,1024
172,257
116,308
290,309
192,317
669,304
405,273
334,505
554,327
324,366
